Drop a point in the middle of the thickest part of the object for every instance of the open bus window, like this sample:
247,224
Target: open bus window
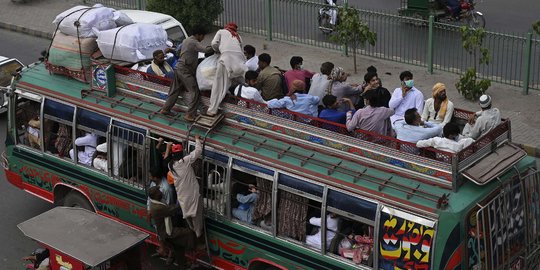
91,131
297,202
353,240
57,128
28,122
244,195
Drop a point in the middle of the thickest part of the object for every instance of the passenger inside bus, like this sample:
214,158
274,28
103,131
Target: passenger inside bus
315,240
88,142
354,241
34,133
247,204
100,161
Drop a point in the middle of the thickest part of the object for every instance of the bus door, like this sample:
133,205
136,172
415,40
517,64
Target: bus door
503,231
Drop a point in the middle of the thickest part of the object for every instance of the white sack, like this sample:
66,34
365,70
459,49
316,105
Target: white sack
134,43
121,19
98,17
206,72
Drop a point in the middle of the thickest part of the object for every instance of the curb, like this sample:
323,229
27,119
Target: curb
25,30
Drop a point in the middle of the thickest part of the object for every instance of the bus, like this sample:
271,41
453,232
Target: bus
328,198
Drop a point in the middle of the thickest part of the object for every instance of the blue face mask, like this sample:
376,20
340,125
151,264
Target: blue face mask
409,83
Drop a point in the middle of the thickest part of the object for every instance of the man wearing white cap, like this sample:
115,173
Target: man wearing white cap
100,162
483,121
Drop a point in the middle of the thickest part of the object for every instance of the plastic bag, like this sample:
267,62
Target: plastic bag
206,72
134,43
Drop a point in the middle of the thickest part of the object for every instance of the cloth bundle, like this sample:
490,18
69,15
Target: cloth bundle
206,72
131,43
88,18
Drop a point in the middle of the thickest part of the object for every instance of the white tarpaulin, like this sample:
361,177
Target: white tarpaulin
134,42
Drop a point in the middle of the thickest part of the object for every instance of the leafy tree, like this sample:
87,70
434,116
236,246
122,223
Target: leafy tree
536,27
190,13
469,85
352,31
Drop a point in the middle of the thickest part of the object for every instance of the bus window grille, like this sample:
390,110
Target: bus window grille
128,154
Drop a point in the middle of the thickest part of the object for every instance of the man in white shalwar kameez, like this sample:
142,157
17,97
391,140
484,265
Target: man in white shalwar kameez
187,186
231,64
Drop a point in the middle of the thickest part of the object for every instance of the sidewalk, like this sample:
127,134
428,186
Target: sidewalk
35,17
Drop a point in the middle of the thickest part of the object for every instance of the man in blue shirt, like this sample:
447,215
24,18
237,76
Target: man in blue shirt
297,102
159,66
331,113
247,205
412,129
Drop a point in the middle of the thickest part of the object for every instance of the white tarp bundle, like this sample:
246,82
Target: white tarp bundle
98,17
134,42
206,72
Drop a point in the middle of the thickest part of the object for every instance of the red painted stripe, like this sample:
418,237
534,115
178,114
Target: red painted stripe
14,178
455,259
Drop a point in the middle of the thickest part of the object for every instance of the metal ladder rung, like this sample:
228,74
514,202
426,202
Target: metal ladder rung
235,140
282,152
409,195
357,177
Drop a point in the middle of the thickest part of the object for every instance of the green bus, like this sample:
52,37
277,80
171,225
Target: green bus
328,198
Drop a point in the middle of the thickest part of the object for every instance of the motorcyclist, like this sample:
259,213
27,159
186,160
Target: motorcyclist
453,7
331,12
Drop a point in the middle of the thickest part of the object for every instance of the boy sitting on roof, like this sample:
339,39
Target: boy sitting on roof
247,90
297,102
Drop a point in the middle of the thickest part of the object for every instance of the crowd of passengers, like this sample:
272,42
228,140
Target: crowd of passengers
403,114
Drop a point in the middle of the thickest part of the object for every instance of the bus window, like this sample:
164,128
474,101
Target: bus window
214,187
352,240
57,128
127,154
28,122
298,209
90,132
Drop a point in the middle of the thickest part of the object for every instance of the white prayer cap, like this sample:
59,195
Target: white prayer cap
102,148
485,101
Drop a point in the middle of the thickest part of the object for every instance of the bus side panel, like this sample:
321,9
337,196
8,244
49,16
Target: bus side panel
451,246
14,178
234,247
39,174
404,244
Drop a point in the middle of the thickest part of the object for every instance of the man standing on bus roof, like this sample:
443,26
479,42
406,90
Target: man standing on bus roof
187,186
184,81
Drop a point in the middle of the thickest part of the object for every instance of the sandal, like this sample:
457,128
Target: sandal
168,113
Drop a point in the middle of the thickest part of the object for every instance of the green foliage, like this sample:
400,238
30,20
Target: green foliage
536,27
352,31
469,85
190,13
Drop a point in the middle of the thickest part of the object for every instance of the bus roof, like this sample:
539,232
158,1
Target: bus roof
284,153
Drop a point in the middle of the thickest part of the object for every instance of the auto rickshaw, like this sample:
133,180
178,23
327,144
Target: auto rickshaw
78,239
422,9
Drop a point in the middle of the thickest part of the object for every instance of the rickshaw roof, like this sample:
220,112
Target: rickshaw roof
81,234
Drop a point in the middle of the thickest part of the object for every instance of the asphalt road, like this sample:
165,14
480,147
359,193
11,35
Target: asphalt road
16,205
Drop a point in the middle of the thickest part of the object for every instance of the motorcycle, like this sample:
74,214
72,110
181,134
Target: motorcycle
442,12
467,13
327,17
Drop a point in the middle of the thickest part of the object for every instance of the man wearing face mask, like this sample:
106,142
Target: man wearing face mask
405,97
297,73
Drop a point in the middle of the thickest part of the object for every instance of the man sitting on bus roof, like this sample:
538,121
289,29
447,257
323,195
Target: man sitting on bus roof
405,97
413,129
452,141
298,102
161,67
247,90
89,141
483,121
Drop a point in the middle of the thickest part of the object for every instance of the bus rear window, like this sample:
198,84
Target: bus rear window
6,70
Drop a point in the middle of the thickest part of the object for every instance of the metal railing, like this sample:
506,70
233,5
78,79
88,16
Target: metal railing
515,59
